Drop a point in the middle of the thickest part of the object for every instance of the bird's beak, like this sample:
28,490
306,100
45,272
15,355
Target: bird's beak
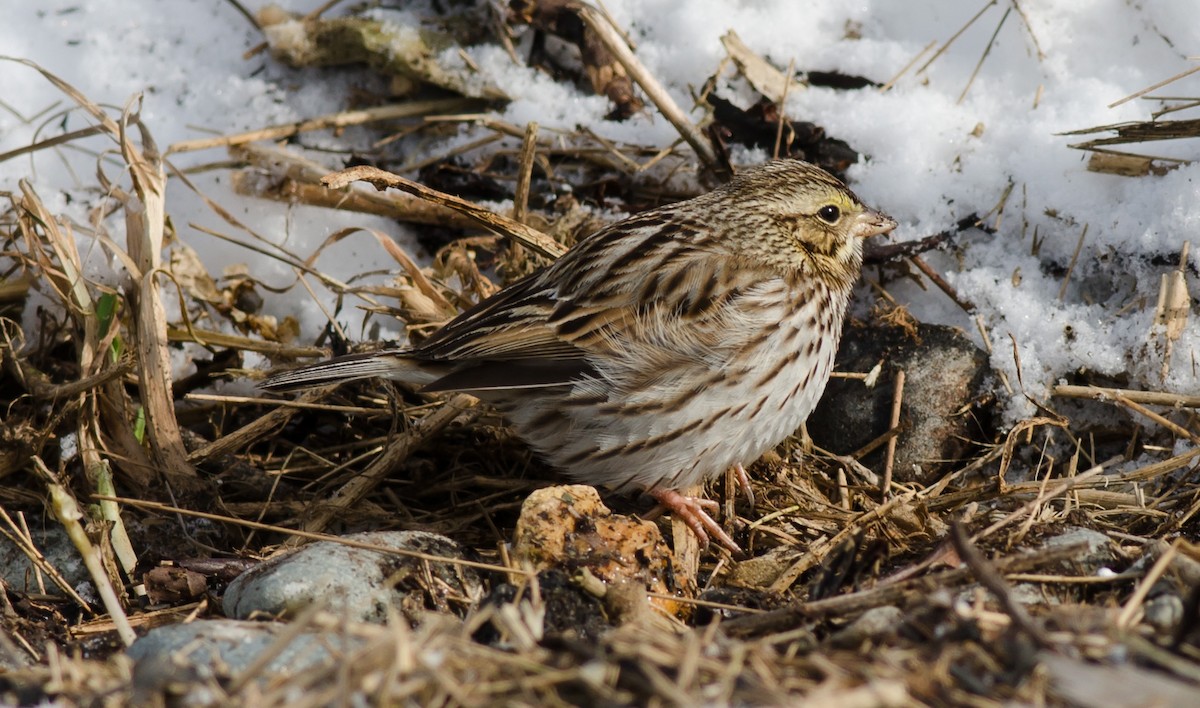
872,223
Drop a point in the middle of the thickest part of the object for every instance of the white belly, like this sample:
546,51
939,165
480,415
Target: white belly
692,424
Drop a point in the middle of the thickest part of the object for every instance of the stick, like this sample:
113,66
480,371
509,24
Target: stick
608,34
890,460
529,237
990,578
354,491
340,119
1154,398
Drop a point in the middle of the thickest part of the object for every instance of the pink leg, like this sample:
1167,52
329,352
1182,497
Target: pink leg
691,511
743,481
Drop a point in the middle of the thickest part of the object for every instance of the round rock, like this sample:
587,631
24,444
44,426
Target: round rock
359,583
941,412
18,572
190,661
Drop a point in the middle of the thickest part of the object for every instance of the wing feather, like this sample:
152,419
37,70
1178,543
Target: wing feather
655,289
509,325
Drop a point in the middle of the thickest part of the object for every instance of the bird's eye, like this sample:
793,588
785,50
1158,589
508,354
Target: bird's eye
829,214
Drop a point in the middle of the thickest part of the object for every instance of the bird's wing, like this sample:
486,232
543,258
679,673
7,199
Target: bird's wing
650,288
510,325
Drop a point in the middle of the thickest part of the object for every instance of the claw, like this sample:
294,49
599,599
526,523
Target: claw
691,511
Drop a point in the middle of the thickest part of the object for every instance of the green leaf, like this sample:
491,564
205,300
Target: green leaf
139,425
106,311
106,308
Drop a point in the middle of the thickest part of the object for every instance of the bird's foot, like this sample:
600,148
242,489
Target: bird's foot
691,511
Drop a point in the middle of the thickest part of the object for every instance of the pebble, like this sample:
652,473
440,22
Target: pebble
1098,554
52,541
357,583
189,662
875,623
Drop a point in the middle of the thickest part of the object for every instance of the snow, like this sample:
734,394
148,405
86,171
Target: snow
936,154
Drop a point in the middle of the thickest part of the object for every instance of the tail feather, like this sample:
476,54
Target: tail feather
384,364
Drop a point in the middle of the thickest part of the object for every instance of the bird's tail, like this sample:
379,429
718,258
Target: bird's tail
387,364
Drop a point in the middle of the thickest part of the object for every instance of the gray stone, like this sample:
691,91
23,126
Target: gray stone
1021,593
357,583
1098,551
189,662
1164,612
874,623
941,411
1075,682
52,541
1031,594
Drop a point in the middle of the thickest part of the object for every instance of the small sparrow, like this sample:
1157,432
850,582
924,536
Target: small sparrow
662,350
